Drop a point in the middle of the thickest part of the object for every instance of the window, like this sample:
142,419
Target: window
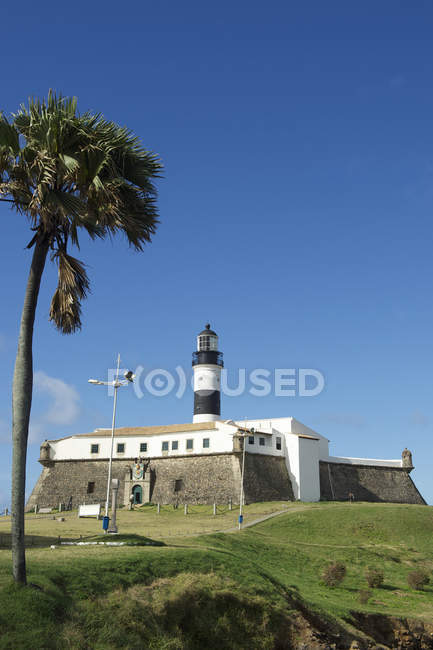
178,485
190,444
278,443
94,449
90,487
175,445
143,446
206,443
261,442
207,342
165,446
120,447
250,440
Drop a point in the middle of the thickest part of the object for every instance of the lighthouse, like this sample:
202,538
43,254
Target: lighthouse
207,363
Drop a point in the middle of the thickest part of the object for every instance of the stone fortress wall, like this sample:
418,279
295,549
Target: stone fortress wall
211,478
215,478
367,483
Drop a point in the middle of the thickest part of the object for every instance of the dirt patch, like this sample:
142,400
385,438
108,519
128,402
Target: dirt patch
392,632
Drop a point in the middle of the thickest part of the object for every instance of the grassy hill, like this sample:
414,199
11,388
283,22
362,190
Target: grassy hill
260,588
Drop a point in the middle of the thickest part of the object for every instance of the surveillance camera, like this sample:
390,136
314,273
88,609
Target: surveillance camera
129,375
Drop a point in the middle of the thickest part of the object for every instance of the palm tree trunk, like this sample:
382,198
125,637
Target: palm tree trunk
21,405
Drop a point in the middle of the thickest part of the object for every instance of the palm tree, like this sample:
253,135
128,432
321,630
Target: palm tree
66,172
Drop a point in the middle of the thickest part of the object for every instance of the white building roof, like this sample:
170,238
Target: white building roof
146,431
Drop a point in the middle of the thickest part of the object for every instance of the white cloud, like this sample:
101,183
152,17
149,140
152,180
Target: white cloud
64,405
61,408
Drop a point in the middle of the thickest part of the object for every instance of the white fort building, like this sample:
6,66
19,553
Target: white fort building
199,462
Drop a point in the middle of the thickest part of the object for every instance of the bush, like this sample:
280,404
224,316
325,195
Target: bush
364,596
175,613
374,577
417,579
334,574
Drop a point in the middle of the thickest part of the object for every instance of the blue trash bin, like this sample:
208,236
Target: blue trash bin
105,522
241,518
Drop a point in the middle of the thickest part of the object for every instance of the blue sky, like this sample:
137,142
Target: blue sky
295,211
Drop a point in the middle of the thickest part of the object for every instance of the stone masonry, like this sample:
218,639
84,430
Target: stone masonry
367,483
215,478
212,478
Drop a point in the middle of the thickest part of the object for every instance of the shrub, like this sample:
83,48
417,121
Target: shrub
334,574
417,579
364,596
374,577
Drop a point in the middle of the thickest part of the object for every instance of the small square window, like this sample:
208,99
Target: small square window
90,487
261,442
278,443
190,444
206,443
250,440
94,449
175,445
178,485
143,446
120,447
165,446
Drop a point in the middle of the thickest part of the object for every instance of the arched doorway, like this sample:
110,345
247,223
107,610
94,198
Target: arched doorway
137,493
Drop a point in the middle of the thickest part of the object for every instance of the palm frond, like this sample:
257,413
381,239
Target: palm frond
72,287
9,138
69,204
65,312
71,164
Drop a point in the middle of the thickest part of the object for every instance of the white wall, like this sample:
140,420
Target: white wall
298,427
262,426
270,446
78,447
364,461
268,424
221,440
309,469
292,462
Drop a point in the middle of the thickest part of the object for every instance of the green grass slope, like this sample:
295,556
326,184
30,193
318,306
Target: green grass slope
260,588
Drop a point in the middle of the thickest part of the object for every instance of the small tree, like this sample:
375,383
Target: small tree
374,577
334,574
417,579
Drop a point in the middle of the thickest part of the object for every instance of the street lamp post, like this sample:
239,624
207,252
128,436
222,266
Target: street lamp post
116,384
115,489
241,498
242,495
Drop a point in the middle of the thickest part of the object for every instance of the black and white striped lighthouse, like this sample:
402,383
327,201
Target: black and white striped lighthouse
207,363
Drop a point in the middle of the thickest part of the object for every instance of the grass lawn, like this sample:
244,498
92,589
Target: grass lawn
43,530
248,583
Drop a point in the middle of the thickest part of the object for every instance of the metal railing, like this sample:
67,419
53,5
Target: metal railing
208,356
